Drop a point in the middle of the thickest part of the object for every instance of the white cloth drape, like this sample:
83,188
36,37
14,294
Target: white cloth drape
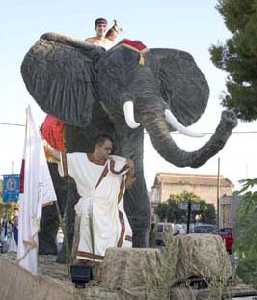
103,220
38,190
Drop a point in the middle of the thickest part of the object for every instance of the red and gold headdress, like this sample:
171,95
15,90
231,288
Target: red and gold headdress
136,46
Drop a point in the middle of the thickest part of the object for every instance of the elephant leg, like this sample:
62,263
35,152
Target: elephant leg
49,227
49,219
136,200
68,221
137,207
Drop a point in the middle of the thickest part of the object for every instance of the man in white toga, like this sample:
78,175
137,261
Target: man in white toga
101,179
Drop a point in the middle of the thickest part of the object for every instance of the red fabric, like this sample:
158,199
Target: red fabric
138,45
229,243
52,130
228,239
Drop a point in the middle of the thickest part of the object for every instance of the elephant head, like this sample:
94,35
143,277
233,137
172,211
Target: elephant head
168,92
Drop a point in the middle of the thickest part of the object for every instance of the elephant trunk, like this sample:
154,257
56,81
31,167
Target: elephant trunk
159,132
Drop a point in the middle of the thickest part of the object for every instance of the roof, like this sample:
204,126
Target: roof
191,179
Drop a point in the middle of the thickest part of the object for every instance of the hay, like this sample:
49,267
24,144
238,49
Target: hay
137,274
125,268
202,255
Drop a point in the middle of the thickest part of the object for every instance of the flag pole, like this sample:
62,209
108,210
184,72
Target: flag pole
218,194
35,189
61,219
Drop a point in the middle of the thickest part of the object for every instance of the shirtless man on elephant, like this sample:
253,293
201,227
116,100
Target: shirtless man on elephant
104,38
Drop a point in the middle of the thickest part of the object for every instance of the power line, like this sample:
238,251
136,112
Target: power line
234,132
210,133
175,132
12,124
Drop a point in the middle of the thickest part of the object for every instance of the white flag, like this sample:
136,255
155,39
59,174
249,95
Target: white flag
36,188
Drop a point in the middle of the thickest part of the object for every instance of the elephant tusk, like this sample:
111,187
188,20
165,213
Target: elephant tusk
172,120
128,109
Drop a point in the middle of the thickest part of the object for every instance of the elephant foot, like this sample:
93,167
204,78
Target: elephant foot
47,245
47,251
61,258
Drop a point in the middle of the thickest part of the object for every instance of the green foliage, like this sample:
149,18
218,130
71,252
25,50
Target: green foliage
208,213
246,233
161,210
238,56
169,211
247,270
7,210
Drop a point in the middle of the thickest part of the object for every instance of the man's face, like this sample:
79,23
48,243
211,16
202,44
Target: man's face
103,151
100,29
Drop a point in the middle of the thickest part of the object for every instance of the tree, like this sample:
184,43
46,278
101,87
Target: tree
207,212
246,234
169,211
161,211
238,57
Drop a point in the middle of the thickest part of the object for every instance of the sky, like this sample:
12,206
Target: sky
192,26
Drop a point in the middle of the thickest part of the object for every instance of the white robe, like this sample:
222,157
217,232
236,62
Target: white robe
100,206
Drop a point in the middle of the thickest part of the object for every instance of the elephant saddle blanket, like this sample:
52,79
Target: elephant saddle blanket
136,46
52,131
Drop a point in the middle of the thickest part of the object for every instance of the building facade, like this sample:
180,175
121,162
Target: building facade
227,214
204,186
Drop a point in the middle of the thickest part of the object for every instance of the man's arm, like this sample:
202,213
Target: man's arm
90,40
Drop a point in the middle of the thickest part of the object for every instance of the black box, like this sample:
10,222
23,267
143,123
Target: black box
81,275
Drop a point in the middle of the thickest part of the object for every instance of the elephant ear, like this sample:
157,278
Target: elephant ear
59,74
182,84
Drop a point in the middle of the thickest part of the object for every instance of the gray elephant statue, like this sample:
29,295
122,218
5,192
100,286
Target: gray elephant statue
124,91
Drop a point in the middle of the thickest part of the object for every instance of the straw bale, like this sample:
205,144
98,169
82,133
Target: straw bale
202,255
126,268
182,293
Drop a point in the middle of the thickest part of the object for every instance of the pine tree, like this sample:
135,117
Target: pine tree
238,57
